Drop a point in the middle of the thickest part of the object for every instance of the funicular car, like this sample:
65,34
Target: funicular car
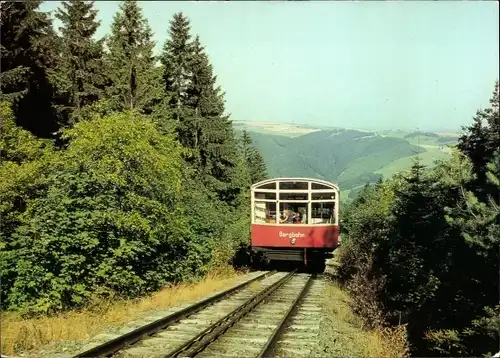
294,219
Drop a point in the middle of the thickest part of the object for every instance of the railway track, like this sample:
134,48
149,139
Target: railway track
274,314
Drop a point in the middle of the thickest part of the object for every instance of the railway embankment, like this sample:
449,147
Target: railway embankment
68,333
316,323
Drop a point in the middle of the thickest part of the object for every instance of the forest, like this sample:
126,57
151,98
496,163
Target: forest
422,249
120,170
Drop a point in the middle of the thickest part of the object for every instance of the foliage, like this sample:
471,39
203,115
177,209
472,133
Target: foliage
23,165
353,158
129,196
422,246
253,158
28,45
79,75
109,219
130,63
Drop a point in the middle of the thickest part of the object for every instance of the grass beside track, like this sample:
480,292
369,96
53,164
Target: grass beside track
342,335
19,335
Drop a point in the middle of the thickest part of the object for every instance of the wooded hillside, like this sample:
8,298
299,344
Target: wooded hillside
423,249
120,170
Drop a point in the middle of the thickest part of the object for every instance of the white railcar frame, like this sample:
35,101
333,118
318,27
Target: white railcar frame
256,188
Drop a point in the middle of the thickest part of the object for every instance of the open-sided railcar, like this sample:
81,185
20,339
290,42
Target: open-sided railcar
295,219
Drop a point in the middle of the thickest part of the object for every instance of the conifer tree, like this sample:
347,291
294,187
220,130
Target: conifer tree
213,136
253,158
28,44
417,249
131,65
79,76
197,107
258,170
479,143
176,56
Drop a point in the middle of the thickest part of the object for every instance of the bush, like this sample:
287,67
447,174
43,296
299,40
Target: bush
110,219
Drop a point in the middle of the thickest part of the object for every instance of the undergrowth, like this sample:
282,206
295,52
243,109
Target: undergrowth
344,336
21,335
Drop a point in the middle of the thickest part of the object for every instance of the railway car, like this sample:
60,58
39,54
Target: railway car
294,219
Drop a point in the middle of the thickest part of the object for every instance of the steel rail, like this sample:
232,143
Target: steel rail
108,348
268,351
207,336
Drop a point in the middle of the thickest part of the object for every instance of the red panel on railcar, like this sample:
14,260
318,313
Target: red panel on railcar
293,236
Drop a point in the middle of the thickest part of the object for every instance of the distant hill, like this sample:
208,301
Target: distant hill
348,157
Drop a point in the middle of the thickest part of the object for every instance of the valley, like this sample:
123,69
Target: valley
354,157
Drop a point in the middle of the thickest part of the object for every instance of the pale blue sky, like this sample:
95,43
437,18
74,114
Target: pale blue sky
349,64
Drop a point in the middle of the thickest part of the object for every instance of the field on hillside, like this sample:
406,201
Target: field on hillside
284,129
348,157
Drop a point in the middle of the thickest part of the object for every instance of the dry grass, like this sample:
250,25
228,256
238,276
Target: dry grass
20,335
344,329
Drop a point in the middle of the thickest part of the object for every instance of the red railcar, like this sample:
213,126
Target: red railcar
295,219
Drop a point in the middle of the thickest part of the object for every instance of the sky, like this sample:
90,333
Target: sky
358,64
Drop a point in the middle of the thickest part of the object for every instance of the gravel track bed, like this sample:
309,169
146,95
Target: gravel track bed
249,335
67,349
175,335
302,333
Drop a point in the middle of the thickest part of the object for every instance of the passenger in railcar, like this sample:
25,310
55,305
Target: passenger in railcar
285,216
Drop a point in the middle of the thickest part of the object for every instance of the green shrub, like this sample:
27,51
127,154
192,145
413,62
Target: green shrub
109,220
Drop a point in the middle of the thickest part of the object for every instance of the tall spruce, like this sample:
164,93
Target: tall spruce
28,45
480,141
212,130
176,56
131,66
417,251
253,158
80,73
197,107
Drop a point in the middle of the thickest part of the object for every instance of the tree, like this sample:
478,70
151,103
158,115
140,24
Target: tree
197,107
428,252
109,220
479,143
418,252
28,46
176,57
253,158
80,73
23,165
131,66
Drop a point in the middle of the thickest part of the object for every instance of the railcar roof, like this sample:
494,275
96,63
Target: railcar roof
312,180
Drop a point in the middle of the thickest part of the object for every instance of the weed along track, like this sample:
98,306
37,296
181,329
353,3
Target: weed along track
297,335
273,314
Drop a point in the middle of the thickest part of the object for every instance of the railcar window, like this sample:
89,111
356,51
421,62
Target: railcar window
290,185
316,186
293,213
271,186
322,213
293,196
269,196
330,195
264,212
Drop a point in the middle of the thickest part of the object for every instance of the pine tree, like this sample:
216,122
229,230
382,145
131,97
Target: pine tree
176,57
479,143
253,158
28,43
131,65
258,170
211,130
417,250
79,76
197,107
